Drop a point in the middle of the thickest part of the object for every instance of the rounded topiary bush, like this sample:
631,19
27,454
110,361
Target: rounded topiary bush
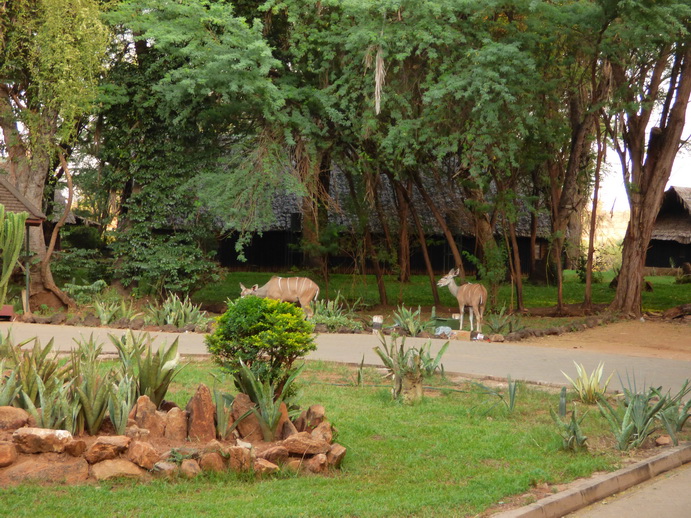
267,335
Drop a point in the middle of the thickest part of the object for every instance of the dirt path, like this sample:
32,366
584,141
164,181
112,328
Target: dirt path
651,338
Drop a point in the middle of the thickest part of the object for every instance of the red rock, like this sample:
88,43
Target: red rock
335,455
264,467
240,458
300,422
315,416
165,469
212,461
8,454
190,468
663,440
317,464
143,454
41,440
76,447
248,428
47,467
176,425
107,447
146,416
323,432
201,411
275,454
137,434
288,430
116,468
12,418
304,444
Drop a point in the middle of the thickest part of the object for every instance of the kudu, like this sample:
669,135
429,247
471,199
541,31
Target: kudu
291,289
473,295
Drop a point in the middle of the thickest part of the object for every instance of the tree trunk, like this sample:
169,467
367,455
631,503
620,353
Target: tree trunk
650,170
588,296
442,224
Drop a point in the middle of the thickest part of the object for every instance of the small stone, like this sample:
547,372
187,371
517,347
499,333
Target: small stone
212,461
12,418
264,467
248,428
116,468
315,416
143,454
176,425
8,454
317,464
288,430
145,416
275,454
496,338
323,432
76,447
240,459
190,468
106,448
166,469
335,455
137,434
304,444
663,440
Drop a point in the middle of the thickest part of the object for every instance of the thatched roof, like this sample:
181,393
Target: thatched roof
673,222
14,201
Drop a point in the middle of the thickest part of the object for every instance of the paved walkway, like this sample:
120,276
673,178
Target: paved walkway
476,359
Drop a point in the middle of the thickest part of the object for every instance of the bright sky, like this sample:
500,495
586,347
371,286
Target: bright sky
612,192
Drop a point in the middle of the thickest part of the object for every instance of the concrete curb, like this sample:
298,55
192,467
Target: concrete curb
594,489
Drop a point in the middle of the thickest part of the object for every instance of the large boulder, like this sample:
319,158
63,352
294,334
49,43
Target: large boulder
41,440
190,468
202,412
12,418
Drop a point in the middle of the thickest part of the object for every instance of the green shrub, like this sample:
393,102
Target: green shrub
267,335
336,314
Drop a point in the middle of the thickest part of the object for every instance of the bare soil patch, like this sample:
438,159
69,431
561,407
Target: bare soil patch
650,338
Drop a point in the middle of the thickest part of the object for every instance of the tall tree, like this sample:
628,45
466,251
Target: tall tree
51,53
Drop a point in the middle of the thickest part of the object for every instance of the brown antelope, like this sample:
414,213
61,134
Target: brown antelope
473,295
291,289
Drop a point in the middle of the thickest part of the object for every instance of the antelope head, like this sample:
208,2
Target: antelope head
448,278
248,291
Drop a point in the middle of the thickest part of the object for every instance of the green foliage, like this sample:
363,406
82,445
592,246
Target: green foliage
35,365
570,431
11,241
409,321
503,322
92,387
107,312
265,396
57,409
85,294
122,399
407,366
9,385
508,399
266,335
79,267
223,403
176,311
152,371
632,422
589,387
336,313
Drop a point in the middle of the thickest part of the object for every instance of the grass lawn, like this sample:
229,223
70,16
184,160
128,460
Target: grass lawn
455,454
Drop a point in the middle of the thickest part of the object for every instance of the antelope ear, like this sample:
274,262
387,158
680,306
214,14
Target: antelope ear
255,287
242,287
457,272
451,272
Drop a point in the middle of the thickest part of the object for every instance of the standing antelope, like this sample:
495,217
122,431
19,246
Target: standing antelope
473,295
291,289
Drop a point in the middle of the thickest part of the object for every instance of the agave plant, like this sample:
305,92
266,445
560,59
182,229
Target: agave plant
223,403
570,431
122,399
177,312
263,394
157,370
57,409
130,347
9,386
588,386
408,320
107,311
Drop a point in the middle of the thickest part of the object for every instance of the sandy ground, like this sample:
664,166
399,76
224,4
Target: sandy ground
650,338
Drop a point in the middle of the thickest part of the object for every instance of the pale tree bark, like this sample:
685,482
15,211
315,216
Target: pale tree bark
588,296
647,159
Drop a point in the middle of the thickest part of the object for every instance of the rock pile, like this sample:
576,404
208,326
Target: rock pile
165,442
